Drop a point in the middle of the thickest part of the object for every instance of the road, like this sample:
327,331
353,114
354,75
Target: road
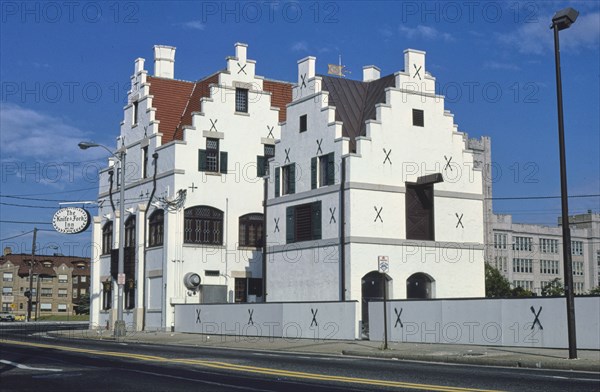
34,362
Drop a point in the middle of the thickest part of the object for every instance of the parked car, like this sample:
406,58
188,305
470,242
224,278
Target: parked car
6,317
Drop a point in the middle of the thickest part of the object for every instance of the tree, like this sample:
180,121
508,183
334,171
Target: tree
496,285
553,288
521,292
83,305
594,291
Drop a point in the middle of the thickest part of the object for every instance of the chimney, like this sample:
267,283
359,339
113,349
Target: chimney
414,63
371,72
164,61
241,51
139,65
306,70
7,251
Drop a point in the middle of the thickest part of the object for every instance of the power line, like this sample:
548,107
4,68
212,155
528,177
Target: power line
23,205
15,236
538,197
53,193
25,222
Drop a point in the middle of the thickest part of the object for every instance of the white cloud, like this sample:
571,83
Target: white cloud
496,65
300,46
424,32
31,135
537,38
193,25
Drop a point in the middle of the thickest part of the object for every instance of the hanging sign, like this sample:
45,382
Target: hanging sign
71,220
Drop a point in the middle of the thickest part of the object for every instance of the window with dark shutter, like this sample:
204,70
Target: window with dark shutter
288,179
212,155
145,162
241,100
262,162
277,181
303,123
313,172
419,212
107,237
303,222
418,118
135,113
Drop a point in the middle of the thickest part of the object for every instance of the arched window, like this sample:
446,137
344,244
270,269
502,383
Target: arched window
130,231
203,225
251,230
420,285
156,226
107,237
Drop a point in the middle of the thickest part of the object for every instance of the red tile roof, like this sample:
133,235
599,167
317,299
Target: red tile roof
176,100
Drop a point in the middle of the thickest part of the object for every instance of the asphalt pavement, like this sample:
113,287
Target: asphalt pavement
524,357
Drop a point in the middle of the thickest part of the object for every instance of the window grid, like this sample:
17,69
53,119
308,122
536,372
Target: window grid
500,262
212,155
526,284
500,240
523,243
578,288
241,100
523,266
577,248
577,268
7,277
548,245
549,267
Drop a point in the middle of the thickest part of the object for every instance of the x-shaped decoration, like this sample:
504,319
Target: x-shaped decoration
242,69
303,78
378,214
398,321
387,156
332,210
198,321
141,194
314,317
459,220
417,71
213,125
287,155
276,225
448,161
250,321
536,320
319,150
270,135
193,187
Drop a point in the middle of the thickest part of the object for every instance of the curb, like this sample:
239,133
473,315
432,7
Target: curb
560,364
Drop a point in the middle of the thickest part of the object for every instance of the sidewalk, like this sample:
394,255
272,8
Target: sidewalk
540,358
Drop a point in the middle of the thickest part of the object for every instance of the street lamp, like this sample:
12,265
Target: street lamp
120,156
561,20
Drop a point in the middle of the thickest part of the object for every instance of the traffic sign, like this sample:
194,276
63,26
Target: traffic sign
121,279
383,264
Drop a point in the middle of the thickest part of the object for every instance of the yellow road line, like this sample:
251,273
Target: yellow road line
251,369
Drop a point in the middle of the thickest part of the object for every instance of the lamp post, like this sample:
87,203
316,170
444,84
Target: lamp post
120,155
561,20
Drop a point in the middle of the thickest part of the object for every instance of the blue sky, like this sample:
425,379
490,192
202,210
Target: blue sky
65,68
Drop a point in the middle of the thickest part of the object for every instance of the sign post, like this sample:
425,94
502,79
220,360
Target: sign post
383,267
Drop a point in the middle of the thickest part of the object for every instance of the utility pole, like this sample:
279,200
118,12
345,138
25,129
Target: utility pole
31,263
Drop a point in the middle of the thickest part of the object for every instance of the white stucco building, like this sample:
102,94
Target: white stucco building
212,137
366,169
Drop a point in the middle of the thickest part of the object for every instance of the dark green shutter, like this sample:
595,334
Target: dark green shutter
330,169
201,160
316,220
277,181
260,165
289,224
292,179
223,162
313,173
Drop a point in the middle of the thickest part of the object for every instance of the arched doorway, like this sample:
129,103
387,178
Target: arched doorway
372,286
419,285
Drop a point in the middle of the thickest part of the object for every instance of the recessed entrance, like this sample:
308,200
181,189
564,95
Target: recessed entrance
419,285
372,290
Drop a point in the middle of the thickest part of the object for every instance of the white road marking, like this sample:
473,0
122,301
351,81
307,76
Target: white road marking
25,367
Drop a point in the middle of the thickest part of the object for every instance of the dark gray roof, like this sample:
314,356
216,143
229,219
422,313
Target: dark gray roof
355,102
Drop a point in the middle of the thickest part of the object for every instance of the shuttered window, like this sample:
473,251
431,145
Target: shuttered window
211,160
322,171
419,212
303,222
418,118
303,123
288,180
262,162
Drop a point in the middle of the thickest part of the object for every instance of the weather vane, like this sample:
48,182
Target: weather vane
337,69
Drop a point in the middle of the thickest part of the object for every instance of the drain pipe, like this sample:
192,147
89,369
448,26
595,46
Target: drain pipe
264,236
343,230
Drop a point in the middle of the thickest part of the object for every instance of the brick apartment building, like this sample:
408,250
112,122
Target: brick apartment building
58,283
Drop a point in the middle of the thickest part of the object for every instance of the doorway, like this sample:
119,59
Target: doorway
372,289
419,286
